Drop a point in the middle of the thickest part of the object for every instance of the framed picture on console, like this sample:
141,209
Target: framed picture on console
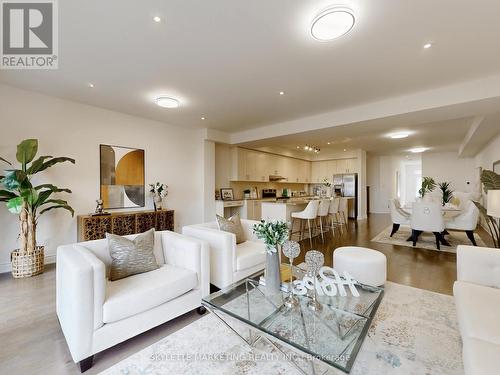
121,177
226,194
496,167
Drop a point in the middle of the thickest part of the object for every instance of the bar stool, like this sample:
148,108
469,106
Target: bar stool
309,213
333,213
342,209
324,207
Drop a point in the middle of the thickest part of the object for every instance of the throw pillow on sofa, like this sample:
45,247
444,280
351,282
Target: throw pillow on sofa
131,257
232,225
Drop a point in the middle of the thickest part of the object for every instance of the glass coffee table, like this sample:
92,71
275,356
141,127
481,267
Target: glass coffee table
332,335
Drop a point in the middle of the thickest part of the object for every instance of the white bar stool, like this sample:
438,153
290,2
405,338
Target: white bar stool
333,213
323,209
343,204
309,213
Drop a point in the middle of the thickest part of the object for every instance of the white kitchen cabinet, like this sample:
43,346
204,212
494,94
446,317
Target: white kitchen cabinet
346,166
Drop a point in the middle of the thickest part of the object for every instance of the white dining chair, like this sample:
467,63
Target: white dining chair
427,217
398,215
466,221
308,214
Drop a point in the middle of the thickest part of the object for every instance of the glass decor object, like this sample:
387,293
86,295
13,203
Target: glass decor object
314,261
291,249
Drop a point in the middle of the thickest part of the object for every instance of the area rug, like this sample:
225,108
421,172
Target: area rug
425,240
414,332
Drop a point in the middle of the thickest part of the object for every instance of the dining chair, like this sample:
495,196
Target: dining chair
466,221
427,217
398,215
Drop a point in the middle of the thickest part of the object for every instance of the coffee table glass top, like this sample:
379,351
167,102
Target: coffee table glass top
333,334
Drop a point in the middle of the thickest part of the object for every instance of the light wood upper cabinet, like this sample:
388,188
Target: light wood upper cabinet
257,166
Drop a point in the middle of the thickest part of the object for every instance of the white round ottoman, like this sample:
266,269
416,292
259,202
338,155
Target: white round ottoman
365,265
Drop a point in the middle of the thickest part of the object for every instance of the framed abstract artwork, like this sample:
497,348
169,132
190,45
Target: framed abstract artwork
496,167
122,177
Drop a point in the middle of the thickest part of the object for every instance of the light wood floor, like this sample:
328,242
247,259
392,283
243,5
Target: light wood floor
31,341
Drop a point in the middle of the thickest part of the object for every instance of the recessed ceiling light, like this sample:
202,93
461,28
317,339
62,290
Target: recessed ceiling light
203,118
345,149
166,102
427,45
282,93
332,23
157,18
298,147
418,150
399,135
327,143
91,85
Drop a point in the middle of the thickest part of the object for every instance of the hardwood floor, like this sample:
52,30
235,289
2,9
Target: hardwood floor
32,342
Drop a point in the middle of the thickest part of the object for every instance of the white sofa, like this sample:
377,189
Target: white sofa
477,299
96,314
229,262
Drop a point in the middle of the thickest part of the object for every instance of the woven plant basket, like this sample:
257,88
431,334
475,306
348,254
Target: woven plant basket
30,264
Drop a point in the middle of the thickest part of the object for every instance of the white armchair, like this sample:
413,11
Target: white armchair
477,300
398,215
229,262
427,217
96,314
466,221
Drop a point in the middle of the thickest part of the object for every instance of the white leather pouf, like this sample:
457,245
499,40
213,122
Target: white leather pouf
365,265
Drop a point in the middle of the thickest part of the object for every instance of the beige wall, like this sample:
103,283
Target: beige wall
173,155
447,166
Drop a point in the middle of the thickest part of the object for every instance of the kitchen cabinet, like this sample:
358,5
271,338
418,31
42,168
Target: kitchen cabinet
346,166
325,169
256,166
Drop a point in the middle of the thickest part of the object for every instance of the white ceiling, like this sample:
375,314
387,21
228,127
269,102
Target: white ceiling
227,60
371,137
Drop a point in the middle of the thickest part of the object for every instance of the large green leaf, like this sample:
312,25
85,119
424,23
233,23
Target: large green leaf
30,196
52,188
6,195
64,206
15,205
26,151
16,179
37,164
6,161
490,180
51,162
43,196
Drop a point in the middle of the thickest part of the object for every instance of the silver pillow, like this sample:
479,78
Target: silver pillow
232,225
131,257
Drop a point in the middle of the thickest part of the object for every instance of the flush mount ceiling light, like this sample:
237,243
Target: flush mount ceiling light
418,150
332,23
282,93
399,135
157,19
91,85
166,102
427,45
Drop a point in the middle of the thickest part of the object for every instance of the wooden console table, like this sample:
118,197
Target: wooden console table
123,223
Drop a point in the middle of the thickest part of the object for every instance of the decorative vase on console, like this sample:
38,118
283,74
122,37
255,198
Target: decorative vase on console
158,191
274,234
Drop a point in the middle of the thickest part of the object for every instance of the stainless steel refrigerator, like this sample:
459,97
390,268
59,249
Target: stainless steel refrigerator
346,185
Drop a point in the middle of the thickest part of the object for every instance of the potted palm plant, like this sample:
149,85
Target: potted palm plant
428,186
29,201
446,192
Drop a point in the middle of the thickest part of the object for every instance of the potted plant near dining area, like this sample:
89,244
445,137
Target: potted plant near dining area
29,201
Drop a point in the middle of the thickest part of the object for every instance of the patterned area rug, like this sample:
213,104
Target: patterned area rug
425,240
414,332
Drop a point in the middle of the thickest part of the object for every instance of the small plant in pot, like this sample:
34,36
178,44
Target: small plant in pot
29,201
446,192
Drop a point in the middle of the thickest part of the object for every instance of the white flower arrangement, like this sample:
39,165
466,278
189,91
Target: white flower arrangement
158,190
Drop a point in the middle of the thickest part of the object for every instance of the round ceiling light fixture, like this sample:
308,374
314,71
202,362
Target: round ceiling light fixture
399,135
418,150
166,102
332,23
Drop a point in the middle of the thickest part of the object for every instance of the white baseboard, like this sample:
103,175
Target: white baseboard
5,267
